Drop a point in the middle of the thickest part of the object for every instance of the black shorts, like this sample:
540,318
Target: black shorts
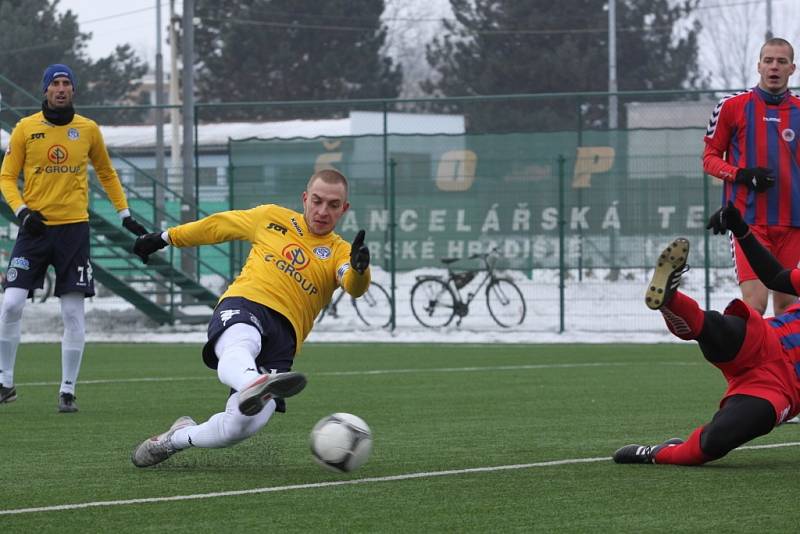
65,247
277,334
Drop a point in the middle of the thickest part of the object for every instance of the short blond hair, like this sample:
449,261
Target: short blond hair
329,176
777,41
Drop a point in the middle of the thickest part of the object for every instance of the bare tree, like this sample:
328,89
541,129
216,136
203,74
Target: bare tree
411,24
733,32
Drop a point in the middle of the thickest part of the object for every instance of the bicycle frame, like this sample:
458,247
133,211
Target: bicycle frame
332,308
489,276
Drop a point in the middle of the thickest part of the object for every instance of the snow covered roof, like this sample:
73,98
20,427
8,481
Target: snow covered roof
358,123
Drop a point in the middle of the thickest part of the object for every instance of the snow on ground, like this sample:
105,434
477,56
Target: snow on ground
601,307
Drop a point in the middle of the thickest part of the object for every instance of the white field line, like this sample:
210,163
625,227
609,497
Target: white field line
367,372
315,485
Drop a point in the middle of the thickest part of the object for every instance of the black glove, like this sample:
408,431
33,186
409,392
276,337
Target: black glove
728,218
32,222
147,244
359,253
757,178
133,226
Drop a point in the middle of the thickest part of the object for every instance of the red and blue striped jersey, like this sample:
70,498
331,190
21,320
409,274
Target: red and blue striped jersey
746,131
787,328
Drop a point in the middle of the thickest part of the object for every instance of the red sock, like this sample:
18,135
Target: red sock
687,453
683,316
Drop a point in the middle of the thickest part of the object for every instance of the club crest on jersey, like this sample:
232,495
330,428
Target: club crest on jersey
788,135
73,134
296,255
20,263
322,253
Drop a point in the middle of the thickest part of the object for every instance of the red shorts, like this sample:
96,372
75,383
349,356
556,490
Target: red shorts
782,241
761,368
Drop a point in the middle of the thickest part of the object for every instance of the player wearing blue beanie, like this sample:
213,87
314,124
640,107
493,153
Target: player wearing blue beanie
57,70
52,149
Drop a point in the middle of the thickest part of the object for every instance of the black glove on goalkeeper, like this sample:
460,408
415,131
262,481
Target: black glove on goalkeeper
756,178
148,244
728,218
32,222
133,226
359,253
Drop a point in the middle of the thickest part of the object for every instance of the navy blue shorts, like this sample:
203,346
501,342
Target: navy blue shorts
65,247
277,336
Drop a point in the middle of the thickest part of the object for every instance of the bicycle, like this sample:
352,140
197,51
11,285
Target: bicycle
437,300
374,307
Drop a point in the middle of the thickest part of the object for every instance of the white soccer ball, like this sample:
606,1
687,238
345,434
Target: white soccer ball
341,442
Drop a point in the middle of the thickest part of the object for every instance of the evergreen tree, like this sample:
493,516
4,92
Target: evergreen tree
524,46
34,34
258,50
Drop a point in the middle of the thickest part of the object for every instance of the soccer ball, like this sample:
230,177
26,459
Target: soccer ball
341,442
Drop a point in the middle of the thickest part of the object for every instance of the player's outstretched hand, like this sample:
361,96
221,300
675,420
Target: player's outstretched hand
32,222
148,244
728,218
757,178
359,253
133,226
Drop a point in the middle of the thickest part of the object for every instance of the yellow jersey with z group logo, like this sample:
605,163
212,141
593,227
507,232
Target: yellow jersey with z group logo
54,161
289,269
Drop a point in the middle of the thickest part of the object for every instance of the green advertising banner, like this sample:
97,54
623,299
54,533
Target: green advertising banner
613,198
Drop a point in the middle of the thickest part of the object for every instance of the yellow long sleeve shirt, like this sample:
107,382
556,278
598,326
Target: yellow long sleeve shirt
54,161
289,269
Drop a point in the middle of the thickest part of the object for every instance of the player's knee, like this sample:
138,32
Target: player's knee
715,442
13,304
239,337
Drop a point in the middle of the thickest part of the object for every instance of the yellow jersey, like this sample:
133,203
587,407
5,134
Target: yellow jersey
289,269
54,160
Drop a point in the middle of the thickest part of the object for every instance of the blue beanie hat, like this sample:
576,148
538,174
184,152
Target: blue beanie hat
54,71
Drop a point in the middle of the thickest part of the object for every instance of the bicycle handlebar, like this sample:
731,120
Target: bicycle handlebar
479,255
484,255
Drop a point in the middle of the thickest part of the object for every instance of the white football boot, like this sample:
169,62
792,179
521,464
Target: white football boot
158,448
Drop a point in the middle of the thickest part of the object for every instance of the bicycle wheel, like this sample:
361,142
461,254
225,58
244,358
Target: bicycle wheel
505,302
374,307
432,302
47,289
331,310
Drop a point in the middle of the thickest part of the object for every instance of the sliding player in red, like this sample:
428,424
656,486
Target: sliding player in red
760,358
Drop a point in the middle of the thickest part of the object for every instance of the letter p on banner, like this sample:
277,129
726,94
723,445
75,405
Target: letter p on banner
591,160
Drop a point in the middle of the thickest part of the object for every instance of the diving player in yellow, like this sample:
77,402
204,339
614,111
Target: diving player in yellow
295,264
52,148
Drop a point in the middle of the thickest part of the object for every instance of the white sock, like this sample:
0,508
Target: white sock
223,429
73,341
10,328
237,349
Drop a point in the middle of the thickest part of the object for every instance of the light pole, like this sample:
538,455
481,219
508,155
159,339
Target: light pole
612,64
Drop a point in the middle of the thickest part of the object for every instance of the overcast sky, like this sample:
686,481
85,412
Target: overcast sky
113,22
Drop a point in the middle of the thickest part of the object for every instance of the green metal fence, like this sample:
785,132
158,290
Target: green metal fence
577,210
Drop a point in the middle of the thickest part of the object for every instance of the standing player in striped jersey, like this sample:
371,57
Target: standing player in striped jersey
295,264
753,144
52,148
759,358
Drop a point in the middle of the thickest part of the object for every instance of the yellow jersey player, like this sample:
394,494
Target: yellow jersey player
52,149
295,264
